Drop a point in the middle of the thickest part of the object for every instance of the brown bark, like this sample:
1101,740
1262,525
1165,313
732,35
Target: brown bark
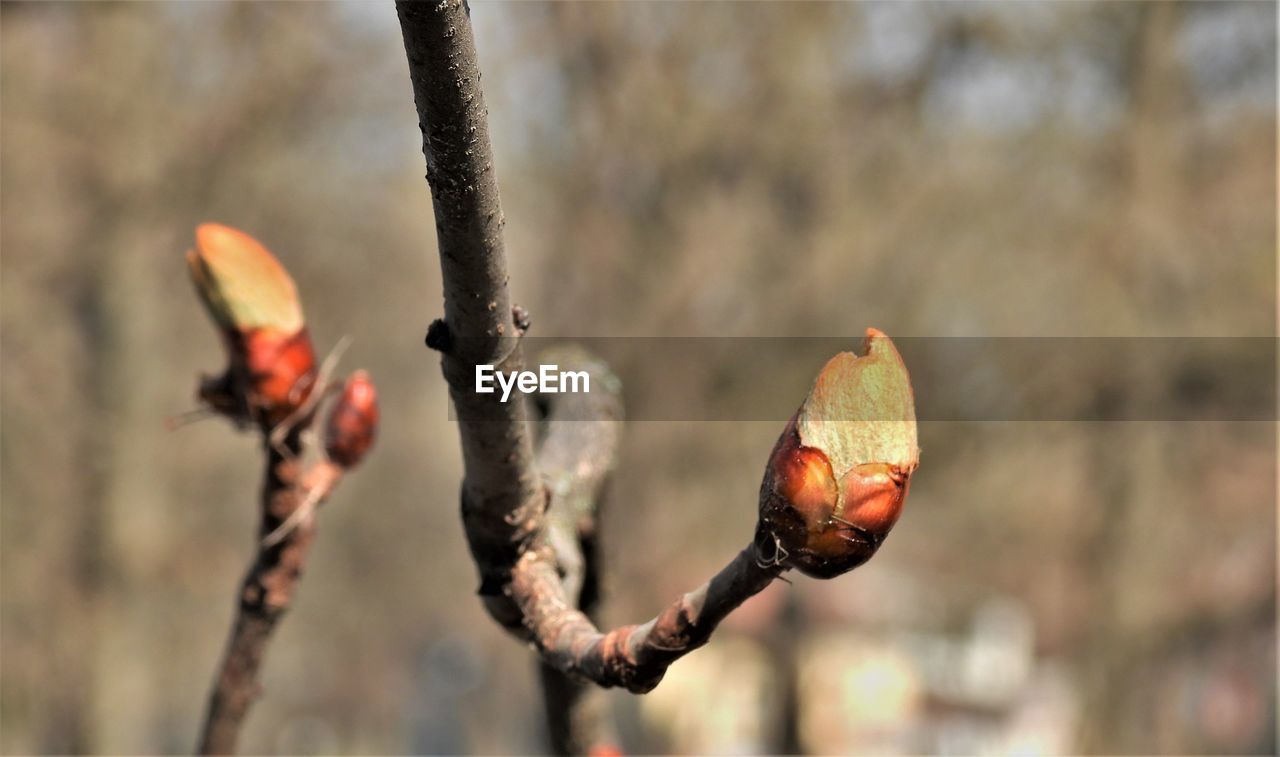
579,442
503,501
267,590
634,657
265,595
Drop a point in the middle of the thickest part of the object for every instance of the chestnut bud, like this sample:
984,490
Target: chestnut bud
353,422
254,303
839,474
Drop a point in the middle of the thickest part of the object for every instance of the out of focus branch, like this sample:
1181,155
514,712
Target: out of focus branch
290,495
272,385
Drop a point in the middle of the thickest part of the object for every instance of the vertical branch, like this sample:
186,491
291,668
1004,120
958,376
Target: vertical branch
272,384
502,499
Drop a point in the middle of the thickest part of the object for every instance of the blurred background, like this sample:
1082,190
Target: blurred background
1051,169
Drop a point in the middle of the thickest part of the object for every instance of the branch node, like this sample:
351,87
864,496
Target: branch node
439,338
520,317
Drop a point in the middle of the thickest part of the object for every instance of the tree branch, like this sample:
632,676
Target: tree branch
265,596
831,491
502,499
576,455
271,383
290,495
502,502
634,657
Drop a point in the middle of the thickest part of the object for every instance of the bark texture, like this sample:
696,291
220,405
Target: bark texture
265,596
633,657
502,497
523,559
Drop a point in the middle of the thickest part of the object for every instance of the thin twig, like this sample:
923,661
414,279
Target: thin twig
633,657
318,483
188,417
265,595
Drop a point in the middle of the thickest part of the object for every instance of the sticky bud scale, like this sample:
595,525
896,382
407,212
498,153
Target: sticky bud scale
353,421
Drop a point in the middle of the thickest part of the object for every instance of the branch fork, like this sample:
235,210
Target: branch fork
832,489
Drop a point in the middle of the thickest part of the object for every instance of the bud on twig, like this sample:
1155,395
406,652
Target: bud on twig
253,302
353,422
839,474
272,381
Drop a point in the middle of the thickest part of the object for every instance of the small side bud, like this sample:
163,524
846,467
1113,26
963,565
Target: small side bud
353,422
839,474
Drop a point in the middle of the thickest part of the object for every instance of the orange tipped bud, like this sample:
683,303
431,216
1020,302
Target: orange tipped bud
280,370
839,474
353,422
254,303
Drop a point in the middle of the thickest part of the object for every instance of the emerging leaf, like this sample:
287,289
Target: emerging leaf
241,284
839,474
251,298
861,409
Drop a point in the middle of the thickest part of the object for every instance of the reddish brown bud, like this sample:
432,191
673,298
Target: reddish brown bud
804,479
254,303
353,422
873,496
857,427
281,370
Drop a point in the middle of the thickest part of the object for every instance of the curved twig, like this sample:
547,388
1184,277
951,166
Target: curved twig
576,455
634,657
